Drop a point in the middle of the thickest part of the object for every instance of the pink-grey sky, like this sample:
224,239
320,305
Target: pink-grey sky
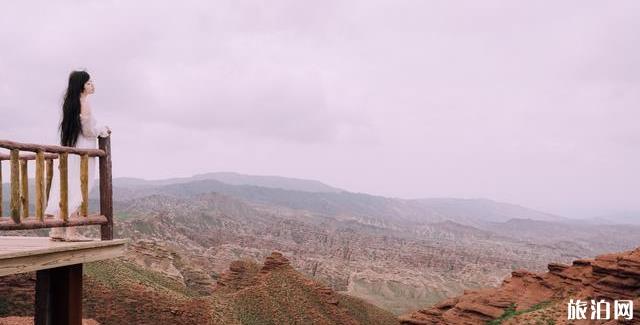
529,102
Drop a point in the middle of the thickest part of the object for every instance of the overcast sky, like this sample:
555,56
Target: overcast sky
529,102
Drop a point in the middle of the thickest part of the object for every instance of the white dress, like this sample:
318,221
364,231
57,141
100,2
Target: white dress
88,139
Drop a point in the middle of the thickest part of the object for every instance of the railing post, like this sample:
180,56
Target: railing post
1,198
15,186
106,188
40,197
24,188
84,184
64,186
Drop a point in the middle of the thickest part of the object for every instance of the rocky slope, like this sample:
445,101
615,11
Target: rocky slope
541,298
393,266
276,294
121,292
393,269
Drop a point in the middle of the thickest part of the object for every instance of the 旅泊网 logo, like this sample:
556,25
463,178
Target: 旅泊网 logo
578,309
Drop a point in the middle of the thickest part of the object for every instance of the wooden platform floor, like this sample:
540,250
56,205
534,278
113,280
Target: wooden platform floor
27,254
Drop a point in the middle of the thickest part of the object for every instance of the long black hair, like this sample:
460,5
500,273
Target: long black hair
70,127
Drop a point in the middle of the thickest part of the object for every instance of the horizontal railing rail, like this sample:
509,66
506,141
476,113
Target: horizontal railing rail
29,156
50,148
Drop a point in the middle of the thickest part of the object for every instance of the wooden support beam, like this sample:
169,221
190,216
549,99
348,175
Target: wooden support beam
24,187
84,184
64,186
15,186
40,195
43,298
59,296
1,198
106,188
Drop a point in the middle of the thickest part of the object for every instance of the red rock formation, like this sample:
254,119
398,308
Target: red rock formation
242,274
275,261
610,277
237,277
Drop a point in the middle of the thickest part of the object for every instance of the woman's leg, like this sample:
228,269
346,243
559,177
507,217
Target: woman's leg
75,195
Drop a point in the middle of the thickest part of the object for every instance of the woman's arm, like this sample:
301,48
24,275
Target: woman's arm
89,126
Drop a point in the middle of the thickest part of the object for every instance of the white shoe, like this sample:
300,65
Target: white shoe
73,235
57,234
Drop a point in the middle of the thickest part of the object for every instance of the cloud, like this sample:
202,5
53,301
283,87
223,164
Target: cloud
529,102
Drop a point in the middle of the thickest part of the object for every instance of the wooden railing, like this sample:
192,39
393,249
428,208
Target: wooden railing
44,155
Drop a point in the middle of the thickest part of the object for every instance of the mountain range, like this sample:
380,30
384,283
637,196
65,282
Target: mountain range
399,255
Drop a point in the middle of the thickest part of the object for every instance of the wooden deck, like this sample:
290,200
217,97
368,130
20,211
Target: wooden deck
27,254
58,265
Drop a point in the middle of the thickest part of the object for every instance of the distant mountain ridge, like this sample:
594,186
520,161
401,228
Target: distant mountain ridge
231,178
624,217
485,209
318,197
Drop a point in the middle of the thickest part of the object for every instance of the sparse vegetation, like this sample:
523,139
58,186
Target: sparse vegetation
113,274
366,313
122,215
511,312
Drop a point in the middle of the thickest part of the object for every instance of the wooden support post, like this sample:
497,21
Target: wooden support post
106,189
84,184
59,296
1,198
24,186
49,177
43,298
15,186
40,195
64,186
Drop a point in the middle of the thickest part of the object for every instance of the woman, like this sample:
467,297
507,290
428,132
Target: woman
77,129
